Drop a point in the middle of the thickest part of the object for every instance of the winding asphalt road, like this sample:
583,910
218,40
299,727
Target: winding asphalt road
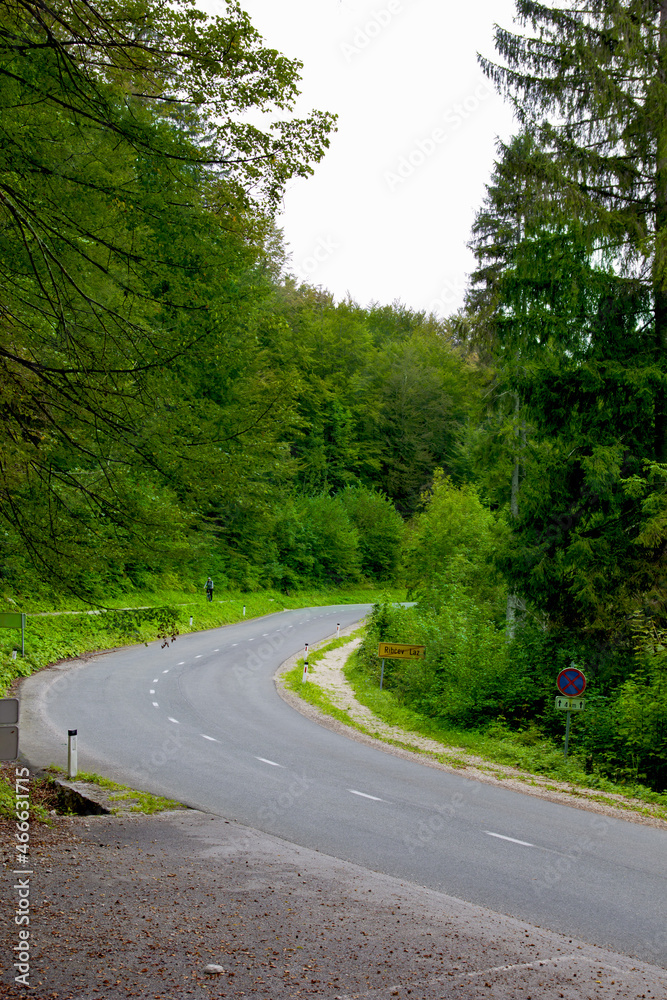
200,721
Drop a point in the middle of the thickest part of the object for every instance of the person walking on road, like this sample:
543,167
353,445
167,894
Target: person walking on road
209,589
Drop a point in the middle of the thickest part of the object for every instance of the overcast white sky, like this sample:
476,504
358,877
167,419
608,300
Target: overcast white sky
388,212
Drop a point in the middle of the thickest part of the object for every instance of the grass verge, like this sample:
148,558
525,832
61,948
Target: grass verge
45,797
311,692
134,800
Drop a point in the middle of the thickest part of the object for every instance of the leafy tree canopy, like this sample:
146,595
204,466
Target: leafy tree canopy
135,199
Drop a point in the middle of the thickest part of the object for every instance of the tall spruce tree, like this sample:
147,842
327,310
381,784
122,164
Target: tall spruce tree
590,86
573,340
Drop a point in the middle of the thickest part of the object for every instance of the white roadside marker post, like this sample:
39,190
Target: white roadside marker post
305,665
71,753
244,610
338,630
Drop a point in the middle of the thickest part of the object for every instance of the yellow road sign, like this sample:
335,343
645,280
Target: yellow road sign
400,651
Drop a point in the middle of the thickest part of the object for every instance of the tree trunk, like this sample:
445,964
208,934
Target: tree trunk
660,257
515,604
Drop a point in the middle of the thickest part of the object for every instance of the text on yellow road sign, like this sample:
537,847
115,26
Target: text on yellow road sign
400,651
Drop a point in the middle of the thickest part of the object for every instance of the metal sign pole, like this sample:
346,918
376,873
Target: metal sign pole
22,634
567,733
382,674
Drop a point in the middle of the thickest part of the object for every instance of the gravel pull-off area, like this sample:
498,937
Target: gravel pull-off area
185,904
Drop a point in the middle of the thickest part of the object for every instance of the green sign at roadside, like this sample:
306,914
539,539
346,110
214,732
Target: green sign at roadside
11,619
14,619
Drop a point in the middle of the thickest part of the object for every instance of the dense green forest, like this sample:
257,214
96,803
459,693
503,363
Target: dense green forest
174,404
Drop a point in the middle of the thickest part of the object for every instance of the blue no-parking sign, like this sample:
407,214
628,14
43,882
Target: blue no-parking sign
571,682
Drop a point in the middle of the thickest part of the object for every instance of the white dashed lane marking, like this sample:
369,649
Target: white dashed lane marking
173,720
513,840
155,704
152,691
166,671
155,680
211,738
364,795
271,762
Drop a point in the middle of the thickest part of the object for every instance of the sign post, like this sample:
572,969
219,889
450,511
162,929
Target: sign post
398,651
571,683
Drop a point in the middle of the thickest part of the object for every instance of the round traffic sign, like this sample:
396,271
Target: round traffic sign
571,682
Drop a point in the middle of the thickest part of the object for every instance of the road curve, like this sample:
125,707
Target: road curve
200,721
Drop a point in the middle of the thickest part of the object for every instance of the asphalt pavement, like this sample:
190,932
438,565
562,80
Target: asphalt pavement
200,721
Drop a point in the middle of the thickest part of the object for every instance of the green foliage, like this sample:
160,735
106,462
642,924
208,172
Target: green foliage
588,87
427,390
41,799
451,543
380,529
462,674
329,543
143,802
334,539
382,392
636,711
136,203
574,344
526,749
312,693
164,402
